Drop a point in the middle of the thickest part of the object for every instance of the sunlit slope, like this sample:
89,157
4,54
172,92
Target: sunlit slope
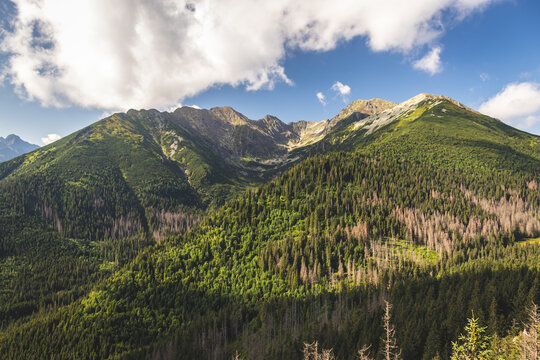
400,218
425,203
443,131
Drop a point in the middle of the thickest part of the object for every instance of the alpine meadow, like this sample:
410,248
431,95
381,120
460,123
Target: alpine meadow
390,230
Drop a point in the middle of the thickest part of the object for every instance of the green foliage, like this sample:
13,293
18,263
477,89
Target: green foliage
307,256
446,135
473,345
42,270
315,238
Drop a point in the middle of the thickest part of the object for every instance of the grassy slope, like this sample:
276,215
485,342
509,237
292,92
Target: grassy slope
447,135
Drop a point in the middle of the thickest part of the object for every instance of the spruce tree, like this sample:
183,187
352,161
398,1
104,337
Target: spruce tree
473,345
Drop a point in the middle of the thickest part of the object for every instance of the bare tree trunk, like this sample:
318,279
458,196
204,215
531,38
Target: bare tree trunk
529,337
311,352
363,353
391,350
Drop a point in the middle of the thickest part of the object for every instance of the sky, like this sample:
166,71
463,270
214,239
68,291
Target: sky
66,64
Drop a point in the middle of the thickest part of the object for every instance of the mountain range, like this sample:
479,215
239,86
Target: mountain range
13,146
202,233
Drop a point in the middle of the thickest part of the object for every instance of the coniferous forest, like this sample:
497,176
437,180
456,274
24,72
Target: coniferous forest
415,239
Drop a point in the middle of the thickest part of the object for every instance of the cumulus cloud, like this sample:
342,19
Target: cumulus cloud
517,103
50,138
531,120
321,98
431,62
172,107
138,53
342,90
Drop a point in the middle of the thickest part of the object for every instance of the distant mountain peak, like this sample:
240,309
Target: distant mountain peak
13,137
370,107
271,119
13,146
273,122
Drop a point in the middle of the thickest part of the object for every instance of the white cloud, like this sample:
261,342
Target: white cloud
179,105
431,62
530,121
517,103
321,98
342,90
484,77
138,53
50,138
172,108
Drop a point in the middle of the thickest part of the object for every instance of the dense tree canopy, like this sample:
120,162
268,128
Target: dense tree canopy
431,215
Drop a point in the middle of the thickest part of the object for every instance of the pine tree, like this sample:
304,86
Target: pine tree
474,344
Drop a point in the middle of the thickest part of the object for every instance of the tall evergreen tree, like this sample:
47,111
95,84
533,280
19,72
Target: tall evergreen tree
473,345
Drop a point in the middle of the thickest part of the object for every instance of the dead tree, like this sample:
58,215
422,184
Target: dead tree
529,337
390,350
363,353
311,352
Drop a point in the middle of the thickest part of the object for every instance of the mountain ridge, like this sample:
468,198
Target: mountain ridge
151,227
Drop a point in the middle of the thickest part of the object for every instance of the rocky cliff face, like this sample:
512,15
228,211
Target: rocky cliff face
235,136
360,109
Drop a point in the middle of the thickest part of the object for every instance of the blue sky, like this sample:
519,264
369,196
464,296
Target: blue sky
488,58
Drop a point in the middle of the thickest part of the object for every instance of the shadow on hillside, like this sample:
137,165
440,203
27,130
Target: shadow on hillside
428,314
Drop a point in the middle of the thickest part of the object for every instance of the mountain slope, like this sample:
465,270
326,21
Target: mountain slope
428,210
167,167
260,256
80,208
13,146
439,129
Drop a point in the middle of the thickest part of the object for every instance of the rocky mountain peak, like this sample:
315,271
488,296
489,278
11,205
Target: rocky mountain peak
404,109
229,115
425,96
12,139
363,108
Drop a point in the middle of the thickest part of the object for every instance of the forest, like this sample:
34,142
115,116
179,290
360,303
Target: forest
311,256
420,241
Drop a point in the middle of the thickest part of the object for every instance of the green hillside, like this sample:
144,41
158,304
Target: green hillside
441,131
73,212
430,207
